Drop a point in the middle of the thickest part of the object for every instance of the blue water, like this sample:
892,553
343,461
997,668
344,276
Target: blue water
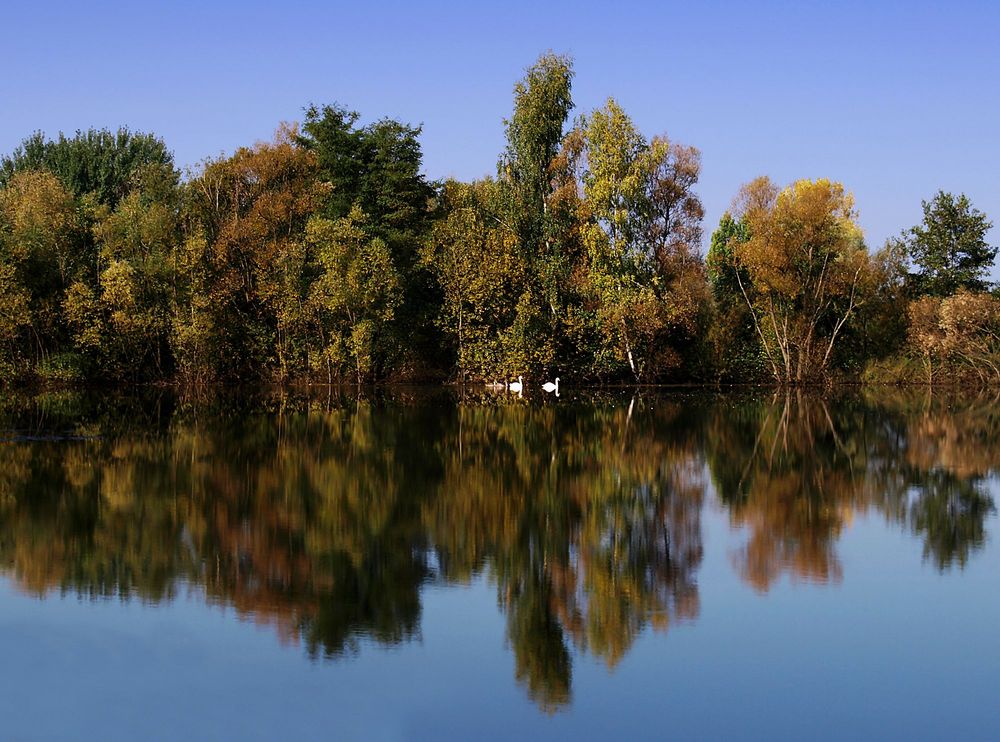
872,637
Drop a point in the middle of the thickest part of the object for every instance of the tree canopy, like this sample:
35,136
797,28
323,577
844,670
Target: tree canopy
949,248
327,255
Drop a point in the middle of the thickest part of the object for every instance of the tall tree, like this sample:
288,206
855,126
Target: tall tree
676,211
355,296
809,271
41,234
475,262
949,247
621,266
246,218
721,261
644,225
137,279
737,351
378,169
375,167
542,102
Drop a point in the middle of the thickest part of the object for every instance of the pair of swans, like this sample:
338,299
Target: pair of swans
518,386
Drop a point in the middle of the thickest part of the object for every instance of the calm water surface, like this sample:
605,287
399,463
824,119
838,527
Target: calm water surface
415,566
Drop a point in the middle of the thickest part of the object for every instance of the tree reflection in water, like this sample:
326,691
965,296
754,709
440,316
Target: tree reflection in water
325,517
796,469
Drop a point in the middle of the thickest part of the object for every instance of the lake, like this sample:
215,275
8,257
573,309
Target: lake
444,565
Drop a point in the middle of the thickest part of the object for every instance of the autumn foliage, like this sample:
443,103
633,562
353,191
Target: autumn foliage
326,255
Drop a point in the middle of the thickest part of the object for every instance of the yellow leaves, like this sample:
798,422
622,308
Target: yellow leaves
808,270
123,298
796,233
615,177
478,261
334,239
38,214
597,242
82,310
137,229
36,201
118,284
358,291
360,342
815,199
15,303
192,252
262,191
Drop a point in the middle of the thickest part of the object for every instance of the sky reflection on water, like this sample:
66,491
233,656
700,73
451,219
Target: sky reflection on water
421,566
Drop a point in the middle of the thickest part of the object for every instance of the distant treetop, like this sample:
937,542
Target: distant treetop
97,161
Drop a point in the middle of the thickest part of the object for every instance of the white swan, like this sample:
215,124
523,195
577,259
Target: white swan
496,386
550,387
516,386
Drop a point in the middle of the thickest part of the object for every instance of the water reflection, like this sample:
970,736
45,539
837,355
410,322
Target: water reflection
325,517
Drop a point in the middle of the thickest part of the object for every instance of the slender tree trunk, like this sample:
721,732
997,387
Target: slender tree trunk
628,351
756,325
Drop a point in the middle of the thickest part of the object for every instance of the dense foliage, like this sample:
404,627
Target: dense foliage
327,255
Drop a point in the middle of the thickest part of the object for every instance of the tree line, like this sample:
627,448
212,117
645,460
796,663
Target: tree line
326,255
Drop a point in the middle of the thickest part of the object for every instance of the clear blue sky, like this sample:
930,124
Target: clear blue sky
895,99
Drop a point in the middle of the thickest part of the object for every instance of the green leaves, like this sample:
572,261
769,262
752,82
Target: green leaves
328,252
378,169
355,294
99,162
642,233
582,255
616,176
542,102
949,247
